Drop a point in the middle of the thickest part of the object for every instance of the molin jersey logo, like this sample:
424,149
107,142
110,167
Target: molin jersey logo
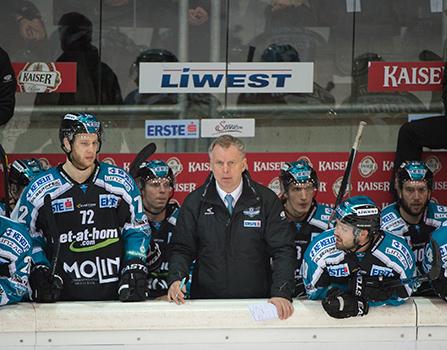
104,270
86,241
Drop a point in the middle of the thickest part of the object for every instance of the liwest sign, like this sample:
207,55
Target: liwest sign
219,78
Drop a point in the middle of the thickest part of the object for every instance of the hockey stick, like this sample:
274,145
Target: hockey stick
4,162
251,53
53,234
347,174
145,153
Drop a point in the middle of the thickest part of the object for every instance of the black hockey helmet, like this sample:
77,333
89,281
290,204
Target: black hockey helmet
156,169
79,123
280,53
22,171
360,212
299,172
156,55
414,170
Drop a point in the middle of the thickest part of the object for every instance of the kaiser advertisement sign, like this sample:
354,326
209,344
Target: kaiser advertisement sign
405,76
219,77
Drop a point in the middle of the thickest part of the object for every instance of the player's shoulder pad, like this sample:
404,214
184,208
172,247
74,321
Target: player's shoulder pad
440,235
46,182
173,213
390,219
397,249
14,235
436,211
321,216
116,176
322,246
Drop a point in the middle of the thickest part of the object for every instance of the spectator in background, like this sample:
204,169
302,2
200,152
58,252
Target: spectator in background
96,82
7,88
307,218
23,31
197,104
233,227
286,53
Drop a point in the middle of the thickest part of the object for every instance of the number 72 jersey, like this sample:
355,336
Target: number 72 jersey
100,223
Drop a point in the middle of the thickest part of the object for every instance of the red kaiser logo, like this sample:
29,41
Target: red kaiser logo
39,77
109,160
367,166
405,76
433,163
336,187
275,186
175,164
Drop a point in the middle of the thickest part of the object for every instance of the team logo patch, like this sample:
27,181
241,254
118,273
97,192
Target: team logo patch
252,212
252,223
108,201
209,211
381,271
341,270
62,205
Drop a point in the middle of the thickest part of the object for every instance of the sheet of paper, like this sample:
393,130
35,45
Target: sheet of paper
436,6
353,6
263,311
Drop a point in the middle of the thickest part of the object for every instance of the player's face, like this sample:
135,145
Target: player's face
299,199
83,150
344,236
227,165
414,197
156,194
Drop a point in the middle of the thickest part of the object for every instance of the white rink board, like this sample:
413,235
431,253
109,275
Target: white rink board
218,324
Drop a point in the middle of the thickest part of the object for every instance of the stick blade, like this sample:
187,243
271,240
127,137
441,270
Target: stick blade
145,153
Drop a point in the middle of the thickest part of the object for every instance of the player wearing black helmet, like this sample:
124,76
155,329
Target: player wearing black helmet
22,171
350,267
307,218
99,245
414,216
156,181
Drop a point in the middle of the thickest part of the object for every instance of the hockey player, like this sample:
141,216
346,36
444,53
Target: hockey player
356,265
306,217
100,247
414,216
21,172
156,181
15,261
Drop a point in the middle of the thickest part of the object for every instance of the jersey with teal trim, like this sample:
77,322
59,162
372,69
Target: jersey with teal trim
2,208
417,235
162,233
325,266
101,225
316,221
15,261
440,237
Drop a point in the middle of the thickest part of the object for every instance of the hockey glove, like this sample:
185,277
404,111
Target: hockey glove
133,284
45,287
379,288
341,305
440,286
154,257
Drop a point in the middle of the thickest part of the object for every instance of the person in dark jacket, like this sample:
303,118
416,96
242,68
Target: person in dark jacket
237,232
7,88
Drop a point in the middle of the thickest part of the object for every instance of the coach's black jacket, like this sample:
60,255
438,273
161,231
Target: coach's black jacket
233,253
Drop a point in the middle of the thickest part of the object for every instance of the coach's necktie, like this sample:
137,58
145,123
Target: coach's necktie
229,200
